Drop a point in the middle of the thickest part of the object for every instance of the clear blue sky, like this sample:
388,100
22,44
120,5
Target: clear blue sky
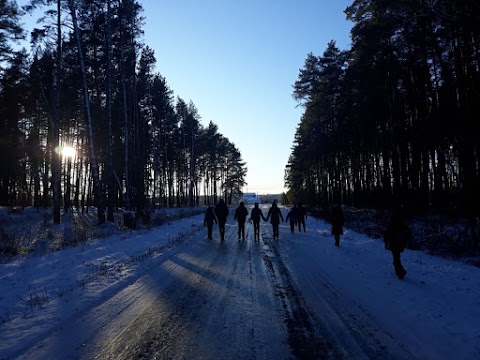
237,62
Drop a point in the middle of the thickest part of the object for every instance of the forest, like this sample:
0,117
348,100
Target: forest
393,119
85,119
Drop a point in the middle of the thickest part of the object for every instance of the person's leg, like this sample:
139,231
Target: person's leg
337,239
210,228
397,264
222,231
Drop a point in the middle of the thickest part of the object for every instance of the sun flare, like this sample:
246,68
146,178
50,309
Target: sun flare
68,152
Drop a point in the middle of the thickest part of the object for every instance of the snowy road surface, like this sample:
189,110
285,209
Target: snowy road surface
238,300
298,297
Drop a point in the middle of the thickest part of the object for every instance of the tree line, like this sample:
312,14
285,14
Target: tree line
393,118
90,84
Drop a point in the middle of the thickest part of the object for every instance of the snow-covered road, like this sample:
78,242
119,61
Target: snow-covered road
226,300
298,297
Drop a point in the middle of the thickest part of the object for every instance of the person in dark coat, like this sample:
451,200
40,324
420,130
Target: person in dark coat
337,220
396,238
209,219
255,216
240,215
302,215
221,211
274,214
293,217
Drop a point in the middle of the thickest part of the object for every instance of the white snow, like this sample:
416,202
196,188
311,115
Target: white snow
434,311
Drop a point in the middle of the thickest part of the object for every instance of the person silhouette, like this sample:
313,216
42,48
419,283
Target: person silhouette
396,237
293,217
221,211
274,214
208,220
302,215
337,219
240,215
255,216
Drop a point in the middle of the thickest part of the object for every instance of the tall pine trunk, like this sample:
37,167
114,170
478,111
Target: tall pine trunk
93,160
56,158
127,198
109,163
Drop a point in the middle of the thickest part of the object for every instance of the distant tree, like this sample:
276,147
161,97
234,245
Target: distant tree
12,139
10,30
163,123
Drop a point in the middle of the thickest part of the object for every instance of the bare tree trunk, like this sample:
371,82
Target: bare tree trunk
56,158
109,169
192,172
67,199
127,196
93,159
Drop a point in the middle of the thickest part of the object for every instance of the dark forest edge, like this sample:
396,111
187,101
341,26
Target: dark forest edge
85,120
391,121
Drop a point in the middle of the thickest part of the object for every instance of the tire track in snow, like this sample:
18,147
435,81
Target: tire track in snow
304,339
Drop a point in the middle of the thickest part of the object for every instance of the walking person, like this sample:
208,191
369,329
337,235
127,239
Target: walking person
221,211
255,216
240,215
293,217
209,219
337,220
302,215
274,214
396,238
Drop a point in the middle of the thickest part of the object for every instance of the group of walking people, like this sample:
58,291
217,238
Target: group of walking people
396,235
218,215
